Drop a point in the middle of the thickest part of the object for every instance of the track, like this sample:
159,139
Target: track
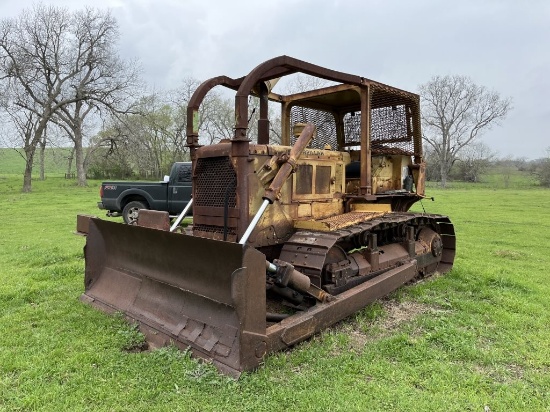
310,251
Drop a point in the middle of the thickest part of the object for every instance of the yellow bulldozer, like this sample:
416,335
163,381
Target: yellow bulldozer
286,239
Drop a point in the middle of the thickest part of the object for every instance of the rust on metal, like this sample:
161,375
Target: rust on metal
154,219
337,222
215,309
323,218
83,224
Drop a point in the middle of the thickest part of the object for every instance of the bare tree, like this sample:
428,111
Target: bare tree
216,113
28,89
300,82
149,140
473,161
153,139
292,84
541,169
99,78
42,144
218,120
61,67
456,112
26,127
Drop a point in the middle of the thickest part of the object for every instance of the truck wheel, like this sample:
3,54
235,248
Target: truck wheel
130,211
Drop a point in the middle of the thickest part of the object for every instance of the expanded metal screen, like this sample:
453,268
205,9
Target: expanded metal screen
392,129
391,123
324,121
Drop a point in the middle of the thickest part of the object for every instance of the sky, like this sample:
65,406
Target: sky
503,45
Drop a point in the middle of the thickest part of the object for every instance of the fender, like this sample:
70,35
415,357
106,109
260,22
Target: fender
137,192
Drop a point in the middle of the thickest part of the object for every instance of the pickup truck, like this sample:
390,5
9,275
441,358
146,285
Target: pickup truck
127,198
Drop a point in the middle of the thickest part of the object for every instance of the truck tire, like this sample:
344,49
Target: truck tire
131,210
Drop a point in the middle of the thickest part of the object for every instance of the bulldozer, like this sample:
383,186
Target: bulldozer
286,239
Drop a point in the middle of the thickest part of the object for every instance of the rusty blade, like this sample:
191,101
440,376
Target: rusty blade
195,292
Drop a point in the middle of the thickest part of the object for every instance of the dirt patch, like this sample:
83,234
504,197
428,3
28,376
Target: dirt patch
506,374
398,313
509,254
358,339
394,315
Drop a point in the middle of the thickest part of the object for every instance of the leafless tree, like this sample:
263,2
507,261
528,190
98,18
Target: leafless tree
300,82
62,66
541,169
473,161
26,125
154,137
150,140
218,120
101,80
292,84
216,113
456,112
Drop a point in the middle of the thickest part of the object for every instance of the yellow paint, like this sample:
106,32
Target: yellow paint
304,210
337,222
370,207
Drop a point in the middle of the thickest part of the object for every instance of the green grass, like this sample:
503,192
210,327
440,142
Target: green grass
496,178
55,162
475,337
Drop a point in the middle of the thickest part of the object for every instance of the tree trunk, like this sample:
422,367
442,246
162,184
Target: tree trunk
42,158
70,161
30,150
443,173
79,156
27,176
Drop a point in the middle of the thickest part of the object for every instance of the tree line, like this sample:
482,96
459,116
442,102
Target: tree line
63,83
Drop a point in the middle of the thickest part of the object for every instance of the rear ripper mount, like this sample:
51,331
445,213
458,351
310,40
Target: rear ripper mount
287,239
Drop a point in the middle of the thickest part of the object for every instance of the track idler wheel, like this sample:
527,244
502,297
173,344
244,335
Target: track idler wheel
431,250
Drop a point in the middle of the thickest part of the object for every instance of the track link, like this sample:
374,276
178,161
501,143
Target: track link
309,250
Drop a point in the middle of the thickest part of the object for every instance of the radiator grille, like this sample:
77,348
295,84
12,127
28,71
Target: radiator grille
215,185
215,181
211,231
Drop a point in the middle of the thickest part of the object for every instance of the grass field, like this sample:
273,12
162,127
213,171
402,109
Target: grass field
55,162
477,337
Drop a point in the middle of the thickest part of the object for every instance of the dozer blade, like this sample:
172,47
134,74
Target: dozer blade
195,292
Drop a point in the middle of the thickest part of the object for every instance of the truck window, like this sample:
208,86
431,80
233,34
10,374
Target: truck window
184,174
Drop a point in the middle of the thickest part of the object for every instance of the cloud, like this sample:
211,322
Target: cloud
500,44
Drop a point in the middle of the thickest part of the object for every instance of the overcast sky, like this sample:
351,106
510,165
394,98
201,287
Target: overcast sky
503,45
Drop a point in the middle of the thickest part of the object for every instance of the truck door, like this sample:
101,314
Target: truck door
179,189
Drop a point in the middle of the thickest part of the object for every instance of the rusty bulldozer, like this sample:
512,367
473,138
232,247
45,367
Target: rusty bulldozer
288,238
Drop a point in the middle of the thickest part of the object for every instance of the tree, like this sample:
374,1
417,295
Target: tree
541,169
218,120
295,83
216,112
148,141
432,164
27,128
61,67
456,112
473,161
154,139
101,80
